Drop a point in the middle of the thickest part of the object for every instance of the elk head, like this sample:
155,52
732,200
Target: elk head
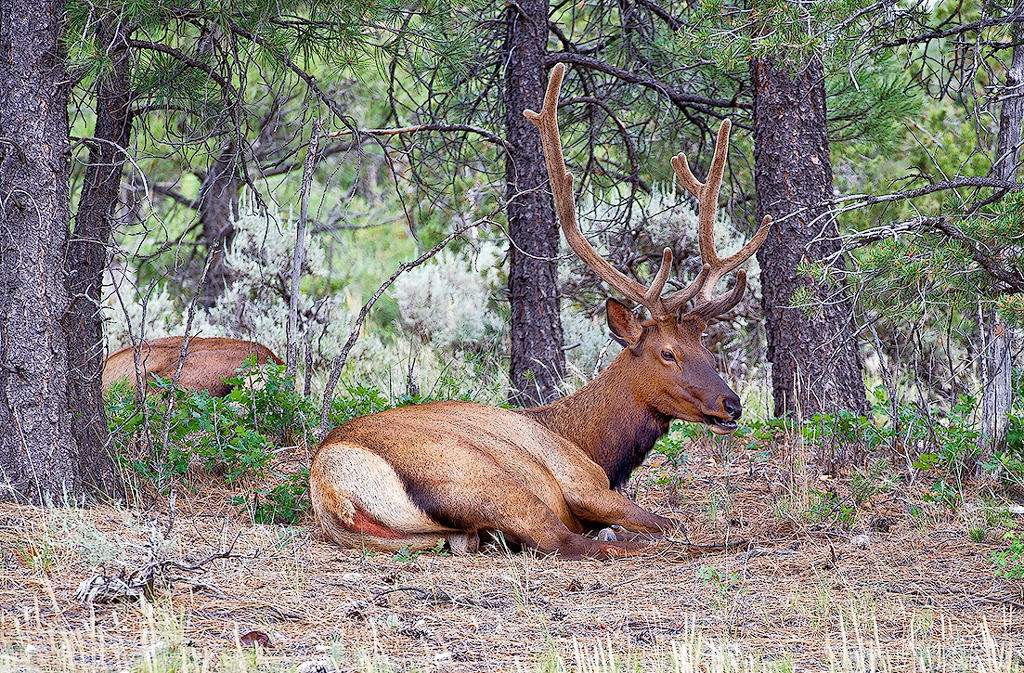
673,373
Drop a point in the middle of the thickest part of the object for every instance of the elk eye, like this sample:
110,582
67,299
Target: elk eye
668,355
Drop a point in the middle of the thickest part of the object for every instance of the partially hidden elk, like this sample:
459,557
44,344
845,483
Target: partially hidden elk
208,362
542,477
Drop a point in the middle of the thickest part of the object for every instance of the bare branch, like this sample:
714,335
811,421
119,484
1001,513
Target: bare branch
677,97
339,361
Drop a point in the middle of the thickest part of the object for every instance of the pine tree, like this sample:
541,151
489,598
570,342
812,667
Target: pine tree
52,446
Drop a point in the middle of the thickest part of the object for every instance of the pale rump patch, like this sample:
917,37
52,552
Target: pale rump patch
372,498
364,523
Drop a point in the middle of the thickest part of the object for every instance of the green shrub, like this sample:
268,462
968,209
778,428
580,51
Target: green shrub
1010,563
829,507
360,401
233,437
673,446
1010,461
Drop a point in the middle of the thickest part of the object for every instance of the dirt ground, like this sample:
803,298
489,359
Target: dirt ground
896,584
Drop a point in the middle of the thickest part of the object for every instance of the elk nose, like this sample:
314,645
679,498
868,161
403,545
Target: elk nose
732,406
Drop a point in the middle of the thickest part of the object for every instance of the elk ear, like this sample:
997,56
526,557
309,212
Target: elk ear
626,329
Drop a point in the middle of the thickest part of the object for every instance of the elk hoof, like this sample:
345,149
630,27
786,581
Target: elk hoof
617,533
464,543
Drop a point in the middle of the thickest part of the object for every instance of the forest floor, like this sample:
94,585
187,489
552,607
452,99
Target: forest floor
890,584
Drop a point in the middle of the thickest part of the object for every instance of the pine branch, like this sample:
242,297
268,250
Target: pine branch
310,81
175,196
871,199
497,140
673,22
186,60
955,30
677,97
1011,278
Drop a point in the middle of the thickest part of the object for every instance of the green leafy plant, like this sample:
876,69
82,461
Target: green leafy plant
673,447
719,584
827,506
942,493
233,437
406,555
1010,562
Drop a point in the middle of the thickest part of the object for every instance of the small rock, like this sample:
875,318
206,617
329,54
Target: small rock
882,524
352,577
323,666
357,610
861,541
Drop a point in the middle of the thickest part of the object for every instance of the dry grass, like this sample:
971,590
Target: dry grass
920,596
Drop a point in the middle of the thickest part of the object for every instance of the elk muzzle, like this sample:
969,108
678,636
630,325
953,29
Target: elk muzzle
722,420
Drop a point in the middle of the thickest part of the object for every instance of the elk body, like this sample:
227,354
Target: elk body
544,476
208,361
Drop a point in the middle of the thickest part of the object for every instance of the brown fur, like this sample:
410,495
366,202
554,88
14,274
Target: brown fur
540,476
207,363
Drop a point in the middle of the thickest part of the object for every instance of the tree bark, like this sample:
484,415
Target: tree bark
88,255
816,366
39,458
997,335
218,210
538,361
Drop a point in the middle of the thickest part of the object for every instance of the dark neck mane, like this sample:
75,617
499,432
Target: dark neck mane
607,422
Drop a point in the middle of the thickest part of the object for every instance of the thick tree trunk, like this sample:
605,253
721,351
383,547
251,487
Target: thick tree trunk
87,259
218,210
997,335
538,362
813,349
39,459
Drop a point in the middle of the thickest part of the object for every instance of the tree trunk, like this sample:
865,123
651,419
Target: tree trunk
39,459
218,210
87,258
538,362
997,335
812,347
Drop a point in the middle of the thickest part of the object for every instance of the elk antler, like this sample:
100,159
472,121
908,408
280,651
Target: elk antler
561,188
707,206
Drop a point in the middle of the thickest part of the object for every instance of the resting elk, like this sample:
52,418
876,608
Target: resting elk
208,362
544,476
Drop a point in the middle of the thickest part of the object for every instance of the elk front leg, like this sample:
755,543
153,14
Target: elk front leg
608,507
471,503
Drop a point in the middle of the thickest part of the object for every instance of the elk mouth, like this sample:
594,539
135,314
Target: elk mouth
720,426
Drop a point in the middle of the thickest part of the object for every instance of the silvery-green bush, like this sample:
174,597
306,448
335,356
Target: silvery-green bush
447,301
446,341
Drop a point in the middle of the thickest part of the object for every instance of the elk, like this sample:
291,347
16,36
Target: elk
208,362
542,477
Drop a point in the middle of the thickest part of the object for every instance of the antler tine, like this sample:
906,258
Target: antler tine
561,187
709,310
707,205
678,299
653,294
714,266
705,282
